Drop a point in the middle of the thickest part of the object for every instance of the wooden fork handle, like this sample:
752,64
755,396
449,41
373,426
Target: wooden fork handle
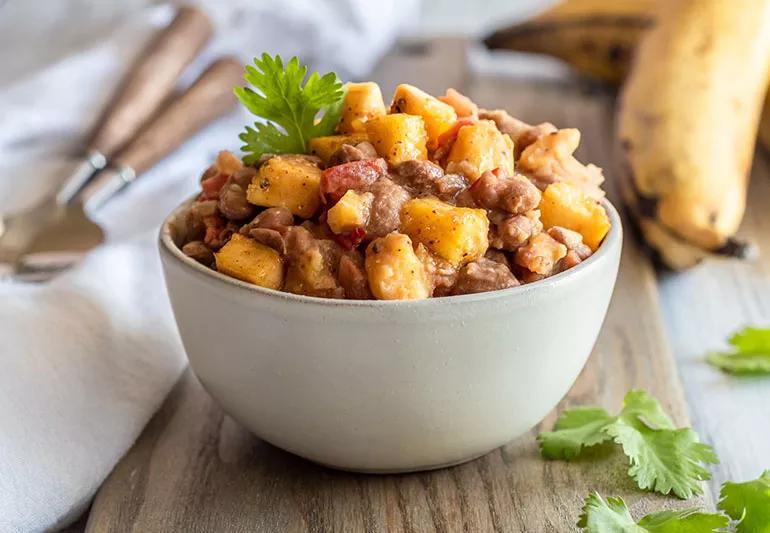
151,80
210,97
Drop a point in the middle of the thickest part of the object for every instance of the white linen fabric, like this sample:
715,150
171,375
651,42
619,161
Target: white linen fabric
86,359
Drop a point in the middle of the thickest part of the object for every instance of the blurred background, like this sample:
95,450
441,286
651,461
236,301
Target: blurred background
33,33
108,331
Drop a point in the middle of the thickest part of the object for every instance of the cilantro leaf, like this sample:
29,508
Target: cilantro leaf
750,354
289,109
748,502
751,339
574,430
662,458
741,363
640,404
265,138
612,516
685,521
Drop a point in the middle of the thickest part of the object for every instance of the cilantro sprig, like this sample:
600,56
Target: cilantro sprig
750,353
612,516
293,109
662,458
745,508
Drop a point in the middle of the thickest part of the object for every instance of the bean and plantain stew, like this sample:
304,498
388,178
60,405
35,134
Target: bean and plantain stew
428,197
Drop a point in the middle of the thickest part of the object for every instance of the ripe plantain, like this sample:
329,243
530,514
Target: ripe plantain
688,117
764,124
596,37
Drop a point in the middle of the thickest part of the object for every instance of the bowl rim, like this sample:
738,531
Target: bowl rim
611,241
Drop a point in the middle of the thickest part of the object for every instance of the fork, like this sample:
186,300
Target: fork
63,242
146,85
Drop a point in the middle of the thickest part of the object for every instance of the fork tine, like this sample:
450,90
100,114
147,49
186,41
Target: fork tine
32,276
32,273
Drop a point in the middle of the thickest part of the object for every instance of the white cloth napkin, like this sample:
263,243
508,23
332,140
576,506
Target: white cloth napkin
86,359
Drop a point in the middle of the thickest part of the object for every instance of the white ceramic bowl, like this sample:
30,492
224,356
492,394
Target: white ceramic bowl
394,386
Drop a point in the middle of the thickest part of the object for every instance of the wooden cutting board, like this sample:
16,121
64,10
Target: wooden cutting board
195,469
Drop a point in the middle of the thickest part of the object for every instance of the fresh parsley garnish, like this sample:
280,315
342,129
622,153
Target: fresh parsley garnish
612,516
662,458
293,110
746,504
750,353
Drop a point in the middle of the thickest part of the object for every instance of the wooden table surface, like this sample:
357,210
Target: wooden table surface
195,469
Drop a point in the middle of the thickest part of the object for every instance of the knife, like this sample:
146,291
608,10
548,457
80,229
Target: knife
147,84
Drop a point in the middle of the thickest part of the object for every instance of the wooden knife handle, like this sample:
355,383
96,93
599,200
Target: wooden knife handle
210,97
151,79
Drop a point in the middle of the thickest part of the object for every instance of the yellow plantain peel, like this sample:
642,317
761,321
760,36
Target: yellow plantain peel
688,117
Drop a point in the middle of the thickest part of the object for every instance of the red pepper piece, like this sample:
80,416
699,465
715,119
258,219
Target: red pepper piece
337,180
212,185
214,225
351,239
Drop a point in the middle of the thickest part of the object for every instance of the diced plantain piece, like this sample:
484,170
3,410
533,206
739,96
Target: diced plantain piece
394,271
246,259
437,115
480,147
290,181
565,205
456,234
350,212
398,137
363,102
324,147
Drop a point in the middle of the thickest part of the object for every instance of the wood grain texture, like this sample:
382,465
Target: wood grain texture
208,98
194,469
701,308
151,79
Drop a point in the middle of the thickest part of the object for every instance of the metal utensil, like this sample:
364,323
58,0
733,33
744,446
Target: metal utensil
69,232
146,85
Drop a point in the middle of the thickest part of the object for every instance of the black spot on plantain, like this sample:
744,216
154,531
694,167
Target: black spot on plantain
619,53
646,206
737,248
636,230
626,144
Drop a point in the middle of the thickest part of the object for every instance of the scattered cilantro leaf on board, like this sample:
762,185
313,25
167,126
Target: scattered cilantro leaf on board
750,352
289,106
612,516
662,458
748,502
575,429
